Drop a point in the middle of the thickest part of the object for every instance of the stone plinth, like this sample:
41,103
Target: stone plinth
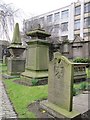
15,66
37,55
16,63
37,59
60,88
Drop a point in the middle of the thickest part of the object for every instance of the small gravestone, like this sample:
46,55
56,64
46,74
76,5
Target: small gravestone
16,63
60,88
37,56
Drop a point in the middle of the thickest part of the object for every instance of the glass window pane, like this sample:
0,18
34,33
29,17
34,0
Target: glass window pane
87,22
49,18
64,14
77,24
56,17
87,7
77,10
64,26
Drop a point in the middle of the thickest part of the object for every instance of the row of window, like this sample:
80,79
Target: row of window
66,37
64,26
86,9
65,13
86,23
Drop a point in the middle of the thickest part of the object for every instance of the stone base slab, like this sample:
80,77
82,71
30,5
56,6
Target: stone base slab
35,74
58,112
7,76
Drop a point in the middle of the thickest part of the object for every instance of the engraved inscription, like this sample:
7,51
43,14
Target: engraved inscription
59,69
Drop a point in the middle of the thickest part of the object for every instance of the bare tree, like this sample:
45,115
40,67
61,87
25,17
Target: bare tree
50,28
7,18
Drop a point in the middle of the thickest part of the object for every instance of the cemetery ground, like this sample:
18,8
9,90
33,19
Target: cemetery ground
22,96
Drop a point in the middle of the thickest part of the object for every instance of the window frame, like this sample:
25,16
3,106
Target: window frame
64,25
56,16
86,10
75,24
64,14
49,18
78,8
87,22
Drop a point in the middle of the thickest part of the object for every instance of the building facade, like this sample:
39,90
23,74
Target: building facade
70,23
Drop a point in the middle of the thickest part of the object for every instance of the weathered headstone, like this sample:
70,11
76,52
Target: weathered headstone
16,63
37,55
60,88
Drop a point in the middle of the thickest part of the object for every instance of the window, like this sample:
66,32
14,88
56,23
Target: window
64,37
87,22
77,24
49,29
27,25
49,18
87,7
86,34
56,17
77,10
35,20
56,30
64,14
64,26
41,19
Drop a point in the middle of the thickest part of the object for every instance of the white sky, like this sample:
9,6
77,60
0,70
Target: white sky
36,7
32,8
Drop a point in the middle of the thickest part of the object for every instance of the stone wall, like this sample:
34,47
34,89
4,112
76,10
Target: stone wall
74,49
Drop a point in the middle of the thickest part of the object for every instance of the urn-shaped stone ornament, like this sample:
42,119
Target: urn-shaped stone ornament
16,49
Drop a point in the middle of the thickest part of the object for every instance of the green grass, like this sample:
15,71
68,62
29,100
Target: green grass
88,73
78,85
21,96
3,68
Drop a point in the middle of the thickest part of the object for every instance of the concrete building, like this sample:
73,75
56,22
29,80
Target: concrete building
70,23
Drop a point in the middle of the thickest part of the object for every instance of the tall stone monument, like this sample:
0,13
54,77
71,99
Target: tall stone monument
37,55
60,88
16,63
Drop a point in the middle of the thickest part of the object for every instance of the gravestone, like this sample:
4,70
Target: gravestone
37,58
60,88
16,63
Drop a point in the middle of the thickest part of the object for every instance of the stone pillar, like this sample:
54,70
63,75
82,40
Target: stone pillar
37,56
16,63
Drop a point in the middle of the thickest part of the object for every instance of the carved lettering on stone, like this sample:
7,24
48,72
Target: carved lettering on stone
59,69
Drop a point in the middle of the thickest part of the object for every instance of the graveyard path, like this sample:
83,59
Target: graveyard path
6,108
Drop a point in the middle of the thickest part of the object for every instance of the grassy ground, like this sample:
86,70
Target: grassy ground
3,68
88,73
21,96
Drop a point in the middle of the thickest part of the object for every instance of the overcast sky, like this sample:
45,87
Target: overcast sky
36,7
32,8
